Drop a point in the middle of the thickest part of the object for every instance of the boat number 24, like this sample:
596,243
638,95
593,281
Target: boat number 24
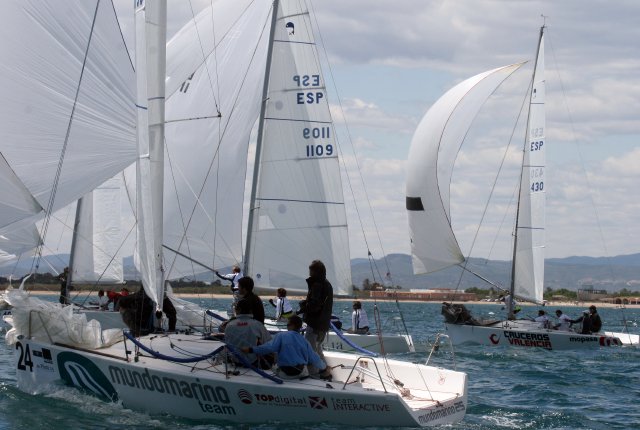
24,360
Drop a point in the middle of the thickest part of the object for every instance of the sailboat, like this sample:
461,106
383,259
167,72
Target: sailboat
434,147
185,374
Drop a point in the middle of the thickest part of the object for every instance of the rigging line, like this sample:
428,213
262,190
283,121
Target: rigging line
204,57
504,217
175,188
113,257
189,258
582,162
194,118
215,213
56,180
217,151
124,42
88,240
495,182
215,47
350,140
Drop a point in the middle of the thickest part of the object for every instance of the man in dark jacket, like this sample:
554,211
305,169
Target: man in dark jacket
317,308
245,288
596,322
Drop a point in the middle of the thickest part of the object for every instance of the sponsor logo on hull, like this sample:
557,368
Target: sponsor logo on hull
526,339
211,399
78,371
441,412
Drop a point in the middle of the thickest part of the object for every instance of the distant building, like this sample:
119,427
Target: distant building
432,295
589,294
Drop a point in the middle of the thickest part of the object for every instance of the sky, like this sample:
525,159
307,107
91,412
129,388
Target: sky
392,60
388,62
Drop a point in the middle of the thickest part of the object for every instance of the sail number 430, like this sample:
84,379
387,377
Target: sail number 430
537,186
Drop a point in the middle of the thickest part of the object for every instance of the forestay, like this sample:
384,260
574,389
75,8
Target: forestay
298,213
434,148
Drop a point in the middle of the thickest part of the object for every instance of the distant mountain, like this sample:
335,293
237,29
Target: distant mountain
614,273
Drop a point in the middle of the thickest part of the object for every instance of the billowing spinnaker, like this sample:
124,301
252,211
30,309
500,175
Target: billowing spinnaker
434,148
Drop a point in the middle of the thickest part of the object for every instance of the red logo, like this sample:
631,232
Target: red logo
317,402
494,339
245,397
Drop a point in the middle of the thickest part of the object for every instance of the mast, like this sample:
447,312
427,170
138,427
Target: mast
74,244
256,164
509,304
151,41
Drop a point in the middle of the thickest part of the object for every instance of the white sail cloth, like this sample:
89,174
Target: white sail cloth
433,152
210,115
67,88
528,276
299,213
99,234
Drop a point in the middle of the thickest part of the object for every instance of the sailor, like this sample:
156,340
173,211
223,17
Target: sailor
543,319
359,320
596,322
317,307
586,321
295,354
103,301
63,277
245,292
234,277
243,332
564,322
283,307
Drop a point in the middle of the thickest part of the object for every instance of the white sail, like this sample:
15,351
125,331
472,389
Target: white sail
432,155
529,253
206,153
15,241
99,235
151,27
298,212
71,98
16,202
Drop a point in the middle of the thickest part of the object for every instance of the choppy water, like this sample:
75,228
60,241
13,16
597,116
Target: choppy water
508,388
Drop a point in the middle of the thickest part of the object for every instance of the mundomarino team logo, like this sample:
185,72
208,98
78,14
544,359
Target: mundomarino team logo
80,372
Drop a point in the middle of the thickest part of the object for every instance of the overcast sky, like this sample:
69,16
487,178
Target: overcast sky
391,60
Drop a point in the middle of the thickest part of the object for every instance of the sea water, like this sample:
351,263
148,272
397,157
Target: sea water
508,388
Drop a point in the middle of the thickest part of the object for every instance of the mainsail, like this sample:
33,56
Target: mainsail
433,152
528,273
297,211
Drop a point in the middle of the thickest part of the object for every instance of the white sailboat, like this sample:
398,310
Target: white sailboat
148,373
435,145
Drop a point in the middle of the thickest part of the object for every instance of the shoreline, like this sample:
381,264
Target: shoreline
549,305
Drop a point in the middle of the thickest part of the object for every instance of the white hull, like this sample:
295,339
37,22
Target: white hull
526,334
626,338
205,391
391,343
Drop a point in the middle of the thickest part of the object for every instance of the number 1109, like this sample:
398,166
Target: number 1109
319,150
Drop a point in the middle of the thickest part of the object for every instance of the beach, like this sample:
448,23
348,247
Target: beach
549,304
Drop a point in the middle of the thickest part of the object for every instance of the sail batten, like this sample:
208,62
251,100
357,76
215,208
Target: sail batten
433,152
